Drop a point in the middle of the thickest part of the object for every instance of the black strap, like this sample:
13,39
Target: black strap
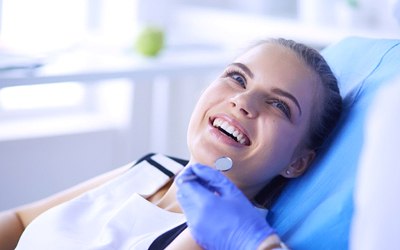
166,238
160,167
143,158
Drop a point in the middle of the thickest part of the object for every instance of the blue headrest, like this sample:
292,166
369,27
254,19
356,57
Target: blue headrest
315,211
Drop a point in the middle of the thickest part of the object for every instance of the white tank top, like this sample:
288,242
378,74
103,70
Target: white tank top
115,215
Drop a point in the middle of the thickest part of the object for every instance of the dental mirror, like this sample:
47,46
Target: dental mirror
223,163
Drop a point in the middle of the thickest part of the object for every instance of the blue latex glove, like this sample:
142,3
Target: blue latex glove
219,216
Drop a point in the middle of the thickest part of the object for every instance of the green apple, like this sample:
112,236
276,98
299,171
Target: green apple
150,41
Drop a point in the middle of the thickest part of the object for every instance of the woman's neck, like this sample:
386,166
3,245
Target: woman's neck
168,199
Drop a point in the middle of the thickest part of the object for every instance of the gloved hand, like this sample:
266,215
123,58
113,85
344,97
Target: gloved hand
219,216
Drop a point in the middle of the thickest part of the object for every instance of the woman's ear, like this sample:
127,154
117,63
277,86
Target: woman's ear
299,165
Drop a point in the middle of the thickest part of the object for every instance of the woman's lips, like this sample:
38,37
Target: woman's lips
229,129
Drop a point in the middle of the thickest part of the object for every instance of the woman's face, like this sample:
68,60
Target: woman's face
257,113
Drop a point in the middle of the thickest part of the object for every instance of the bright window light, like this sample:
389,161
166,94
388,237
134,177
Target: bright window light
48,26
42,25
42,96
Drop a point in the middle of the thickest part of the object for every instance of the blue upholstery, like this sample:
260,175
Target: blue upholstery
315,211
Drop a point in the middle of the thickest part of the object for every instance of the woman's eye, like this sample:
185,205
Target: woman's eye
282,106
238,77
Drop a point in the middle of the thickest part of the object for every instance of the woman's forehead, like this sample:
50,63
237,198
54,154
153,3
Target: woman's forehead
274,61
268,52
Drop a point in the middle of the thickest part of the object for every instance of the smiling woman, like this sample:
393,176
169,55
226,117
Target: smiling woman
271,106
262,112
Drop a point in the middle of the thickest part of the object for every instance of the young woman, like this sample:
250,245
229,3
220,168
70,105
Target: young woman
269,111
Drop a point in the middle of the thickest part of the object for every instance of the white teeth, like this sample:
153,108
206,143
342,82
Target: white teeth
219,123
224,125
235,133
230,129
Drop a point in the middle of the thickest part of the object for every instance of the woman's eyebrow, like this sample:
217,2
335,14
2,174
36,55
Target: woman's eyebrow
288,95
244,68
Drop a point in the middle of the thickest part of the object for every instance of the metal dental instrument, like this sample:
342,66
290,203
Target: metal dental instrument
223,163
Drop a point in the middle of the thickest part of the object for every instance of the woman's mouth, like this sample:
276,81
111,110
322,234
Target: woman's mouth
231,130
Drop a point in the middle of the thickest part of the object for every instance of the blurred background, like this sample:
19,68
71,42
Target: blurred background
77,98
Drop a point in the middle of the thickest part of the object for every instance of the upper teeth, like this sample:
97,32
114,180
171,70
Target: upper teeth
219,123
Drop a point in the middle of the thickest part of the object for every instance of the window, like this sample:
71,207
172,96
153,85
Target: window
45,26
49,30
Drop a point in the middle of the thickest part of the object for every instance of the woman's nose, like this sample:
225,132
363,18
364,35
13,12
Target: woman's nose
245,104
